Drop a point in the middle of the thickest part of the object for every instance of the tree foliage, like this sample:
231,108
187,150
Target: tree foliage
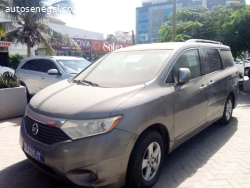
111,38
15,60
29,27
228,25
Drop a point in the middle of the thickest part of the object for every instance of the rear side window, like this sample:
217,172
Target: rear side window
189,59
31,65
211,60
227,58
40,65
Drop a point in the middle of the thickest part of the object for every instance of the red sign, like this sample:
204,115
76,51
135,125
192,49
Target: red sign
84,44
105,46
3,43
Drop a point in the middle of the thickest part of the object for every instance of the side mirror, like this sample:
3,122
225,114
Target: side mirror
184,75
53,72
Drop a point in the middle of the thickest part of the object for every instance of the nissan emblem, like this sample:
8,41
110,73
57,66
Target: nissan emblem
35,129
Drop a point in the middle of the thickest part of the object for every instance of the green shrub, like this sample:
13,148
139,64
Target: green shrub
9,80
15,60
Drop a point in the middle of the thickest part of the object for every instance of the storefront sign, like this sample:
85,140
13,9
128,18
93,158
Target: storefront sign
105,46
84,44
3,43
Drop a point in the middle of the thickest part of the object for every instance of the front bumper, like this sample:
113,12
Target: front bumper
102,155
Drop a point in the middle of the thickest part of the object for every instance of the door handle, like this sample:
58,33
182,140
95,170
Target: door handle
203,87
42,77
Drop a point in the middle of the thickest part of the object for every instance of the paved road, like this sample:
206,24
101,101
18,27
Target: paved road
217,157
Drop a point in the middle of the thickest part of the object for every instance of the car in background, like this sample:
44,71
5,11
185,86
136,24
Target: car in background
239,65
38,72
6,69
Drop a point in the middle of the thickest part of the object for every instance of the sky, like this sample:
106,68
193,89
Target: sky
104,16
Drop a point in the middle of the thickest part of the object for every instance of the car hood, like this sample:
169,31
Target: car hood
77,101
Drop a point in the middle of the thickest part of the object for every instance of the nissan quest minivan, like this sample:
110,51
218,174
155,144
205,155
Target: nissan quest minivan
111,124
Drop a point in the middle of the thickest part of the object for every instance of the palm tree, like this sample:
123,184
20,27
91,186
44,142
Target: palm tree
29,27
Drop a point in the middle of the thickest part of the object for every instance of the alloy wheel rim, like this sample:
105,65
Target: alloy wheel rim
151,161
229,109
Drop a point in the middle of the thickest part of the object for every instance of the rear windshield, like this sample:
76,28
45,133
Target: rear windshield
122,69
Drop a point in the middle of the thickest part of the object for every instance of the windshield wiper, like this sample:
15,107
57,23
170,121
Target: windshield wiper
80,82
90,83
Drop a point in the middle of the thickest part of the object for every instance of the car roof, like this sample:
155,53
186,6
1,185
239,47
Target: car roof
54,57
169,46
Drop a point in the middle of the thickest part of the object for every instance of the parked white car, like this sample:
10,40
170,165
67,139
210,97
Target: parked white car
6,69
239,65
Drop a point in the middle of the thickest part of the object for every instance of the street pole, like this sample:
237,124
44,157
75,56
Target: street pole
91,50
174,21
133,37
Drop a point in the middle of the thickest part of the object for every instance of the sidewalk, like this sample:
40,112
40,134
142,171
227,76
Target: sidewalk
217,157
10,122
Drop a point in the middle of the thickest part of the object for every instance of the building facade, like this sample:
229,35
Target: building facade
122,36
153,13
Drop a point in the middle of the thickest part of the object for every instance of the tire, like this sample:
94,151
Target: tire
227,113
137,176
248,74
27,92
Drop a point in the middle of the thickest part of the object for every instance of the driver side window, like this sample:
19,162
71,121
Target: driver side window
189,59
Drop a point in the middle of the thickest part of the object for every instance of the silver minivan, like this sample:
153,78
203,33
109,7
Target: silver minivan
111,124
38,72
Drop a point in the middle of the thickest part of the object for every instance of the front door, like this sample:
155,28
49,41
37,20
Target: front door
190,101
45,78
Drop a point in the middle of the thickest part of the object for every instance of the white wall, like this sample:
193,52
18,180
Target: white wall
20,49
75,32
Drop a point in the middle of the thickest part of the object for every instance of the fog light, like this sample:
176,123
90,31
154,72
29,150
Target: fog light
93,175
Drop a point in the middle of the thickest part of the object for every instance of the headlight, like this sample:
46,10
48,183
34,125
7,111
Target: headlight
76,129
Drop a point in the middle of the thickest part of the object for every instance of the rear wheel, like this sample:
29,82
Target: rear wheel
228,110
145,161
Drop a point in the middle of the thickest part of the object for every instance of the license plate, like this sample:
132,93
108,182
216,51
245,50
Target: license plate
33,152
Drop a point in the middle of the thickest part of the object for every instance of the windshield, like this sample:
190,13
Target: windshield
122,69
73,66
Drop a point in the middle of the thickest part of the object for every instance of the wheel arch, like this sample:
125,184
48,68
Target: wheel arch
233,98
163,131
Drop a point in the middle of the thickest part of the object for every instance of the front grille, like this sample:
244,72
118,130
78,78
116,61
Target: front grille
47,134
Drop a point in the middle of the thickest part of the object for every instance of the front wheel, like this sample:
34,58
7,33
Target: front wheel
228,110
145,161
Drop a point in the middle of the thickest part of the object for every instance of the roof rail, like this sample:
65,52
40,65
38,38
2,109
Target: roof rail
205,41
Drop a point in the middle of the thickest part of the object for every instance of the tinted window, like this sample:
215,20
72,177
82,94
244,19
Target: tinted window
212,61
45,65
189,59
31,65
40,65
227,58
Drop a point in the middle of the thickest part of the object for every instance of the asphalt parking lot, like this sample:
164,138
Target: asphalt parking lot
219,156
